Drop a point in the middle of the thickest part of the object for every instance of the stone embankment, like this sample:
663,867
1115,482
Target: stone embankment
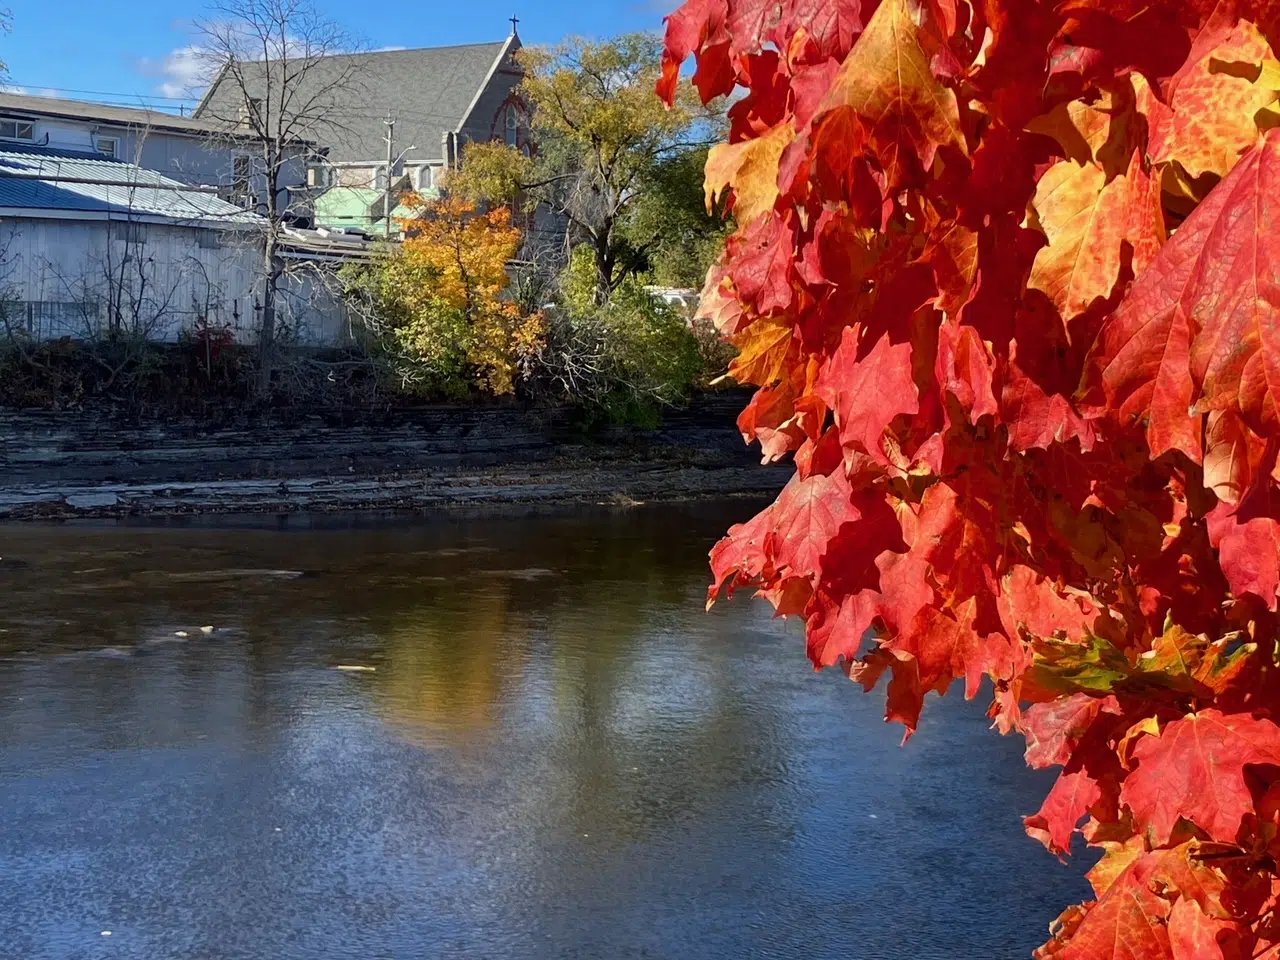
69,464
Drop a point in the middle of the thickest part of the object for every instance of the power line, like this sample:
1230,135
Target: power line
130,100
96,93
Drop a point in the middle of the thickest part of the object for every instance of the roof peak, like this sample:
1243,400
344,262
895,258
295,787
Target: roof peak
385,51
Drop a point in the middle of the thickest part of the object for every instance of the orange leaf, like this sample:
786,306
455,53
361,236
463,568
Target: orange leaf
1194,935
763,350
1086,218
886,81
751,169
1215,104
1232,456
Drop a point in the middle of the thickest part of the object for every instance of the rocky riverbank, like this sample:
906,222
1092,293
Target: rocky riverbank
66,465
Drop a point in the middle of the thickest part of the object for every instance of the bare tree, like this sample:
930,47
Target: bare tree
280,85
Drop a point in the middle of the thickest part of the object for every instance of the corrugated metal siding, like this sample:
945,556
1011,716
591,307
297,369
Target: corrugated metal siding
58,277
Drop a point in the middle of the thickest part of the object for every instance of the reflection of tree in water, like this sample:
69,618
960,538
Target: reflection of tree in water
611,705
565,637
447,667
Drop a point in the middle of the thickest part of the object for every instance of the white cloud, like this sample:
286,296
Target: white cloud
188,70
12,88
184,72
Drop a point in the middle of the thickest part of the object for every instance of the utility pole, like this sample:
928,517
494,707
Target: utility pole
390,121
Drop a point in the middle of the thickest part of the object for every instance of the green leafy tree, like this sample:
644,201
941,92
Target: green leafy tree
624,359
671,220
605,144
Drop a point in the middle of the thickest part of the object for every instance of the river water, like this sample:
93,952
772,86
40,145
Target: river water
548,750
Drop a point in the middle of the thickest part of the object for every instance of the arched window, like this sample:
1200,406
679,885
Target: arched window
513,125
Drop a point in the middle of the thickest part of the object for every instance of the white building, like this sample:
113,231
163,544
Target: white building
93,246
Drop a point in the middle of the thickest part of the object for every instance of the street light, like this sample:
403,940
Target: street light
391,166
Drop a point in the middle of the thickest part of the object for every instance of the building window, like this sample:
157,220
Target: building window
318,175
107,146
424,178
210,239
380,178
513,126
17,130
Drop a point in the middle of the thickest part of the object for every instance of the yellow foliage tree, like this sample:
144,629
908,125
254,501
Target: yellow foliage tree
441,295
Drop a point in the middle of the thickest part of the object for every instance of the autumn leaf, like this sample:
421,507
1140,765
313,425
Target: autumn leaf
740,557
1194,935
1235,356
946,646
1033,604
1199,330
1195,770
952,253
905,113
1055,729
806,518
1069,800
764,349
1232,457
1215,106
966,370
760,262
1038,419
1135,918
722,32
1106,131
848,384
1249,553
1115,861
1129,922
1194,663
1094,666
780,419
1087,219
751,169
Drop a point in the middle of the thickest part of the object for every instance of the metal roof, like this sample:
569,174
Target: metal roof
25,105
429,91
42,178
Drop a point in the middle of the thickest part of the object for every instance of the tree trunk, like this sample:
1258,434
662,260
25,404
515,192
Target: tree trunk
267,333
273,268
604,269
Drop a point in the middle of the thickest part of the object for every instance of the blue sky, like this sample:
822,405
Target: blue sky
133,51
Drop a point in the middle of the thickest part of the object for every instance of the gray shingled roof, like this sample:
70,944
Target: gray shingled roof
428,91
23,105
47,180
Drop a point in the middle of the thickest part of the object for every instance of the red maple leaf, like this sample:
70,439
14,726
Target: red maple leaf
1006,274
1195,770
1199,330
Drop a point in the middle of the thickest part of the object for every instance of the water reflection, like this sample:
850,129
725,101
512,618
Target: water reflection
554,754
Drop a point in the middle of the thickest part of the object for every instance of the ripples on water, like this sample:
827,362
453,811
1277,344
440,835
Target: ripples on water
556,754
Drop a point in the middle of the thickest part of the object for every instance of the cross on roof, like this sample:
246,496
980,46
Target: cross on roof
515,21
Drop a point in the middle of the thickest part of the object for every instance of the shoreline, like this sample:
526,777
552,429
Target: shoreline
70,466
607,484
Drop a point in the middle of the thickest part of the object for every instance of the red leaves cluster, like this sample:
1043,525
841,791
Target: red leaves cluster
1005,278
